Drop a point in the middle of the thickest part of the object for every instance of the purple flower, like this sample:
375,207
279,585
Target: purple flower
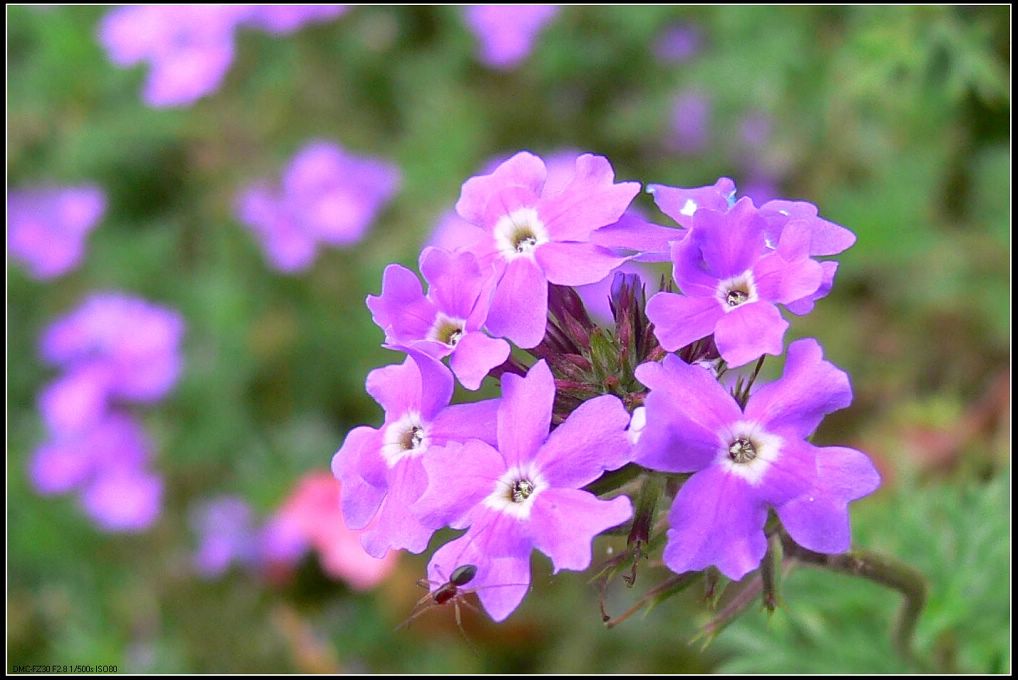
690,130
124,500
534,237
448,320
507,32
731,282
47,228
382,470
282,19
121,346
227,535
678,43
747,460
327,195
70,460
105,462
525,494
189,49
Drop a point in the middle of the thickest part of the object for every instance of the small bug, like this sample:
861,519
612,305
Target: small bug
450,591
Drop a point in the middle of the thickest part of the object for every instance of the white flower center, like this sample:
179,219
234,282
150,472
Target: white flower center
736,291
519,233
747,450
404,438
447,330
515,491
637,422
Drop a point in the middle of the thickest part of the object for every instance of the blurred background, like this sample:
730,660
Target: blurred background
894,121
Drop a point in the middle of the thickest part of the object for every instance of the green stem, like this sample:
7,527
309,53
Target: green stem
610,481
880,569
666,589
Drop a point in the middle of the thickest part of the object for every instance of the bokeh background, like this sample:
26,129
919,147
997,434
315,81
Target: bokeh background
894,120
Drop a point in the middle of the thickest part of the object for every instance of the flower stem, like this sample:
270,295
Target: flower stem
880,569
664,590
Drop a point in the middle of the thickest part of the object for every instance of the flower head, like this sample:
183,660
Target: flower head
47,228
118,346
327,195
731,283
227,535
449,320
382,469
526,493
534,236
745,461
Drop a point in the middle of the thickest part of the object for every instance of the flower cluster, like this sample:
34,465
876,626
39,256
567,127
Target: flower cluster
326,195
308,519
47,227
651,391
189,49
113,349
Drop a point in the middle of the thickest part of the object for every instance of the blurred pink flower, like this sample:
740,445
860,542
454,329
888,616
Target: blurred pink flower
47,227
507,32
312,516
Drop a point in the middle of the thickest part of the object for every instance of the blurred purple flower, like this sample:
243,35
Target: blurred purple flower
282,19
690,123
327,195
507,32
69,460
525,494
755,129
745,460
679,43
128,345
124,500
189,48
47,227
227,535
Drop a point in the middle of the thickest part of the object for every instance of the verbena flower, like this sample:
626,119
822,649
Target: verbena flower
745,461
507,32
311,518
382,469
678,43
447,321
327,195
526,493
122,346
189,49
731,282
283,19
227,534
47,227
533,236
106,463
690,122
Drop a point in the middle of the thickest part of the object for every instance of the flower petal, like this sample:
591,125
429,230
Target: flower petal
522,170
519,308
809,389
716,521
576,264
591,440
524,417
455,280
750,331
681,203
475,355
361,470
632,233
460,476
401,310
730,242
591,200
395,526
460,422
564,522
819,520
680,320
